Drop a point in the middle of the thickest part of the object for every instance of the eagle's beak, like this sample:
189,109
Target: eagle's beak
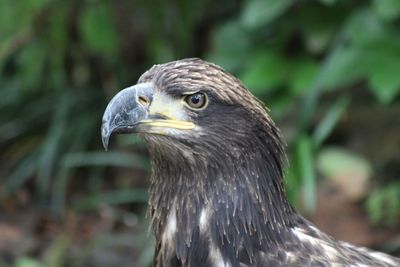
125,110
130,111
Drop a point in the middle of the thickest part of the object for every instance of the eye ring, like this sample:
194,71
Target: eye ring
196,101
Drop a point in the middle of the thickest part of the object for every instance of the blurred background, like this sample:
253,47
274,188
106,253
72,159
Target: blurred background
329,71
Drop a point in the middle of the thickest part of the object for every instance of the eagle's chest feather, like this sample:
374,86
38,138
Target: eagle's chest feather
167,250
303,247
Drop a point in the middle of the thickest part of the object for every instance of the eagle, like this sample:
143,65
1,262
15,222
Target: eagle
216,192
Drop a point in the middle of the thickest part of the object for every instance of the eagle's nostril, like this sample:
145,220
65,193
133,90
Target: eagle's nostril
144,100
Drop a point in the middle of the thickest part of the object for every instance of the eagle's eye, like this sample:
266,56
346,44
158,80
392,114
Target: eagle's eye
196,101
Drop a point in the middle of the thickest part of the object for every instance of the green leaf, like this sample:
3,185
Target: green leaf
325,127
266,70
303,76
31,62
311,98
374,206
372,54
382,68
231,46
342,68
305,163
364,28
27,262
292,182
97,29
18,15
257,13
383,204
387,9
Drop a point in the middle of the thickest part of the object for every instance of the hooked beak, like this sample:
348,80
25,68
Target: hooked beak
129,112
125,110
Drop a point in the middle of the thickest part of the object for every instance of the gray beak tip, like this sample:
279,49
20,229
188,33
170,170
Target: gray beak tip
105,135
105,144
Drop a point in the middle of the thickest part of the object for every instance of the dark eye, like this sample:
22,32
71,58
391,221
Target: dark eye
196,101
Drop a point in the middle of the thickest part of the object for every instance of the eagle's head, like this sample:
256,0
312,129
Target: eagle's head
216,156
191,106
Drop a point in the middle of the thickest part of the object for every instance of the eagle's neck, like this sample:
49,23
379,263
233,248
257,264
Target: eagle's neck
218,197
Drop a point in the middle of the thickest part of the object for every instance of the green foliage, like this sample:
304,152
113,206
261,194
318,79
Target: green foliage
27,262
286,49
256,13
366,46
261,63
327,124
305,167
98,31
386,9
383,205
53,97
59,63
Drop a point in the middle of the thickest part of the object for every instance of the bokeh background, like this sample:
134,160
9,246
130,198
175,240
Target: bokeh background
329,71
